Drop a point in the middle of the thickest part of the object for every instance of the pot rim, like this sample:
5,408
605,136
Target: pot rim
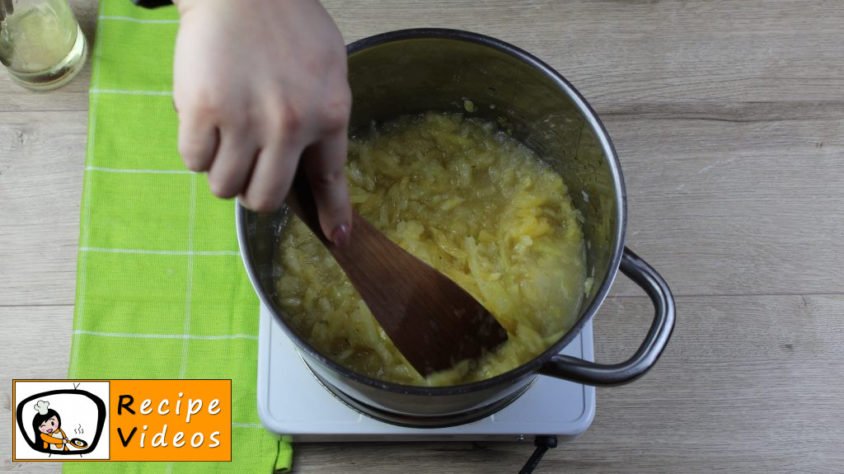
621,210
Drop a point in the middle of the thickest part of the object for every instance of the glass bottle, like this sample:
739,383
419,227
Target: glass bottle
41,43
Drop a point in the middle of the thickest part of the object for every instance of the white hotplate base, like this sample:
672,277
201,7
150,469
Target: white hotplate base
291,401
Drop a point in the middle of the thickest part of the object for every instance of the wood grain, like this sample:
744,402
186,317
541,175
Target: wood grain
27,333
729,120
43,155
748,383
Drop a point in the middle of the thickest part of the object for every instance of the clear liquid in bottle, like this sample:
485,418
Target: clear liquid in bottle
41,43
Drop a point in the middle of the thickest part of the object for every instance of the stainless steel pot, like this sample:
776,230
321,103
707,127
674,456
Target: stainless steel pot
413,71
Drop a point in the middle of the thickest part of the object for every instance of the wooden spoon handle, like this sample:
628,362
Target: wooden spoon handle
369,243
431,320
301,202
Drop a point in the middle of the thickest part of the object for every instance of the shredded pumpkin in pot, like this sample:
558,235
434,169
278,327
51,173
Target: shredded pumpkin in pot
473,203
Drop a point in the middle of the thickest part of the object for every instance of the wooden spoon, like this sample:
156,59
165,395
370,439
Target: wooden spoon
431,320
6,9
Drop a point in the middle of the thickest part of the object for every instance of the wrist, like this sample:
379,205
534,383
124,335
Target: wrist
184,5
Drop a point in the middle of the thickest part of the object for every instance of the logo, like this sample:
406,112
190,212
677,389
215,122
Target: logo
121,420
59,420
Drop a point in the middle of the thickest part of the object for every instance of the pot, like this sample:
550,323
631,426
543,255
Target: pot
419,70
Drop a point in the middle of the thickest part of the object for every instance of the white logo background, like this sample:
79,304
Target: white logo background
78,417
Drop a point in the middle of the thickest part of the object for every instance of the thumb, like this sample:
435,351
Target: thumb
324,166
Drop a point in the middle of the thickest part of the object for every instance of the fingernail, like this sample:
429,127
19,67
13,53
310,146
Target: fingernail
340,235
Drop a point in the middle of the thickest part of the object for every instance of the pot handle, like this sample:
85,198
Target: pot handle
590,373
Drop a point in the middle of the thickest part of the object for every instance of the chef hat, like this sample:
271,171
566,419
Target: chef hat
41,406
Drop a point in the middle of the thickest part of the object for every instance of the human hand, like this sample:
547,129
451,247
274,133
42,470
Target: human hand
257,85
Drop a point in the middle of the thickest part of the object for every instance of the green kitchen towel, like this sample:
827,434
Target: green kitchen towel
161,292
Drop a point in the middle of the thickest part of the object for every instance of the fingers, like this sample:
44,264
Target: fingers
324,165
226,151
271,177
260,167
233,163
199,138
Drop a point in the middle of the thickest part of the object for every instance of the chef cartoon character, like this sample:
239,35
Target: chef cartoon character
48,426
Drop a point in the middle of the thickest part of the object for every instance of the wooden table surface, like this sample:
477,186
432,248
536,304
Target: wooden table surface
728,117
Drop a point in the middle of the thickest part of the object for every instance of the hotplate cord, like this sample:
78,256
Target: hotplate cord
542,443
